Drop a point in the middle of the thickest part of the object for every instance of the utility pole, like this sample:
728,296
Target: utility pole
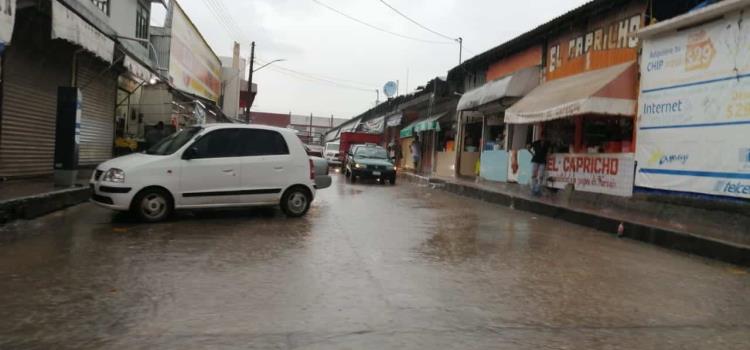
310,133
377,100
460,49
250,82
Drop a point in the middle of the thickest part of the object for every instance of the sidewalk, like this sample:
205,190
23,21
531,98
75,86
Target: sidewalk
721,232
32,198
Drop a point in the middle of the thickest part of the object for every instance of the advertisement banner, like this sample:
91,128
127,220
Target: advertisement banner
7,17
373,126
193,66
694,110
600,173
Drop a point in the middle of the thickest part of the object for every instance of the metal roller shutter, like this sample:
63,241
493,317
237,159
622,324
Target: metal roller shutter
99,88
27,134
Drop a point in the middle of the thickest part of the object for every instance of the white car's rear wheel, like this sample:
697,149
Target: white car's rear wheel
296,202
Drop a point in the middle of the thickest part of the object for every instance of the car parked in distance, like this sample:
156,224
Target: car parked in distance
369,161
331,154
211,166
314,150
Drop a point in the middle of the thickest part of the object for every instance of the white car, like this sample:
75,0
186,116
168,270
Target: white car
331,153
212,166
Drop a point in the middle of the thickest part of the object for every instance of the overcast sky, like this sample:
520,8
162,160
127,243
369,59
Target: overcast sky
352,59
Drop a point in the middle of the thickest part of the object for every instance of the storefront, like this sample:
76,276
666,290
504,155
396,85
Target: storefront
49,52
129,128
435,136
586,106
471,125
490,147
588,120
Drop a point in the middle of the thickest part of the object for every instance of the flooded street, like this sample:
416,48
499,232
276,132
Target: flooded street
370,267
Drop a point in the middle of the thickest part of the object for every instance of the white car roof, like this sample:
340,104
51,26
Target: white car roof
246,126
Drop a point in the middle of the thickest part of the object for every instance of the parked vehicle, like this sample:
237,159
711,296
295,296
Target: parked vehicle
331,153
314,150
370,161
214,166
347,139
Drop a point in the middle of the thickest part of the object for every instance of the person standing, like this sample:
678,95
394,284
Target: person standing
539,150
416,149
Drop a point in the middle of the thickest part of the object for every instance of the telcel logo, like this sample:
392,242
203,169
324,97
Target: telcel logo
732,188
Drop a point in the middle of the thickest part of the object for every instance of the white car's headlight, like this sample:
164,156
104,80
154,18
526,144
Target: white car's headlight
114,175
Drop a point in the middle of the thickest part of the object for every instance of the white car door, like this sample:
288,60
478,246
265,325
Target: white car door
265,166
212,174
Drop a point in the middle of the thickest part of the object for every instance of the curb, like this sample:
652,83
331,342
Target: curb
35,206
680,241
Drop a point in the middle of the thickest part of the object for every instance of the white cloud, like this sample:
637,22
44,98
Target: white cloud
316,40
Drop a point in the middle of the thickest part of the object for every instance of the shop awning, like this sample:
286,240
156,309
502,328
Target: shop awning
607,91
424,124
517,84
67,25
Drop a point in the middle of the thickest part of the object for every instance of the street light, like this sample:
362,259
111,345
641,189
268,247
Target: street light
269,63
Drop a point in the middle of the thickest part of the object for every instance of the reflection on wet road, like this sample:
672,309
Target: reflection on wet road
370,267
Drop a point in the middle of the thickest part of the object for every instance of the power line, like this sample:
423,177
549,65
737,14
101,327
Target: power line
415,22
222,21
318,76
320,80
377,28
221,14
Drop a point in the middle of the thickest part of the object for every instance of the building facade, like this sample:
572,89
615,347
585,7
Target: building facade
94,46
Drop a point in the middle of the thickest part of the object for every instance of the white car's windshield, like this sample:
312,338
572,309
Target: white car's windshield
371,152
332,147
174,142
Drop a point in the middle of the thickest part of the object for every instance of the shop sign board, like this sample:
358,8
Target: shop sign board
603,40
607,173
193,66
136,70
694,110
373,126
7,17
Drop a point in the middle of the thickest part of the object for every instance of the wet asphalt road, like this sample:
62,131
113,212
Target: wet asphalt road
370,267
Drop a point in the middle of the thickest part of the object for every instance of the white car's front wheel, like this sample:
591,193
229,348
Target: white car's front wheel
296,202
152,205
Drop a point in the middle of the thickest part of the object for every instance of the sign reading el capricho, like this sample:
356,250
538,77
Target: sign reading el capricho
619,34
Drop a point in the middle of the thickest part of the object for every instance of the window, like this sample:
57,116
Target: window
142,17
221,143
102,5
174,142
256,142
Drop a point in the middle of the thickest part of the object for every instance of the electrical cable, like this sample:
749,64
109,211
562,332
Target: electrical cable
417,23
316,76
218,17
378,28
319,80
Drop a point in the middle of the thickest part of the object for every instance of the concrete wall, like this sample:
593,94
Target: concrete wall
121,19
156,104
231,82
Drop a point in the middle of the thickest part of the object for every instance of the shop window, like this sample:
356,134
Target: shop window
142,20
103,5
